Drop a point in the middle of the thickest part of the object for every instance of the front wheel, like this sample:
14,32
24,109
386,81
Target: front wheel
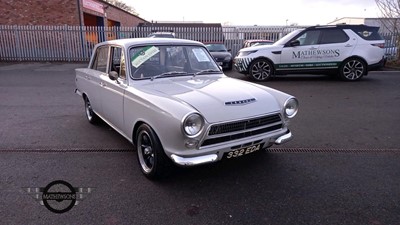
352,70
260,70
153,162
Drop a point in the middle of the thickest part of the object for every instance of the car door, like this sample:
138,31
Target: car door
335,46
113,90
97,69
300,52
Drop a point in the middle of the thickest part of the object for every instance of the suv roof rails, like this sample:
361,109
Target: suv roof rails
341,25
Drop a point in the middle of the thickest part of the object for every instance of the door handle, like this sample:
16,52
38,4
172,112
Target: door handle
348,45
313,48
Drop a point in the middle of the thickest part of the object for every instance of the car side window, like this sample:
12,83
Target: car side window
333,36
100,62
309,37
117,62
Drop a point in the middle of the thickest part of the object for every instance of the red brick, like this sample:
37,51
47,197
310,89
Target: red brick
57,12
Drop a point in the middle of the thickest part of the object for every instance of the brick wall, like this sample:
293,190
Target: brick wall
39,12
57,12
126,19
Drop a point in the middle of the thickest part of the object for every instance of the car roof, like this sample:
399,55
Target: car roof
258,40
150,41
342,26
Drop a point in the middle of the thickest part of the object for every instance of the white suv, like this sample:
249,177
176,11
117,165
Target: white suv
347,50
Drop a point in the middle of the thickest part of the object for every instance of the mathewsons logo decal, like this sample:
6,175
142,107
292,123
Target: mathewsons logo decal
316,54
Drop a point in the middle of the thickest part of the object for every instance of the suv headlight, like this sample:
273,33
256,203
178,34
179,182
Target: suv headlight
193,124
291,107
228,58
246,53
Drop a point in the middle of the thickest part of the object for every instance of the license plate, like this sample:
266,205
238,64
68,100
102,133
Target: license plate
242,151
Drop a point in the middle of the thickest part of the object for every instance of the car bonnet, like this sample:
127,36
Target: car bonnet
217,98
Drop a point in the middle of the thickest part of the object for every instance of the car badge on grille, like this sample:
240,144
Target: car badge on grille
241,102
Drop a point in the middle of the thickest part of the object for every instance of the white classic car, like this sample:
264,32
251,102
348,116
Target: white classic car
173,102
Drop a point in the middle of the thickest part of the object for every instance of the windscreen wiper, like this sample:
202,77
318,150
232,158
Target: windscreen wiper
208,71
169,74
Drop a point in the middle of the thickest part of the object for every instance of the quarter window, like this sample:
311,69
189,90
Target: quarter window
100,62
333,36
117,62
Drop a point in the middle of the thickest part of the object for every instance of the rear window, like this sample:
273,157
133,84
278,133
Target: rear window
368,33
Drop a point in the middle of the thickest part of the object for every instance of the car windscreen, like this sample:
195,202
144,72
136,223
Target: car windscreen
216,47
149,62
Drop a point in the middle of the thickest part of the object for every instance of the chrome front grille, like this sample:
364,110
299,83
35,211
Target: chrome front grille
219,133
243,125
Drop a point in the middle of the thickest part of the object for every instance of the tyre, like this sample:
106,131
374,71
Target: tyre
352,69
260,70
90,115
153,161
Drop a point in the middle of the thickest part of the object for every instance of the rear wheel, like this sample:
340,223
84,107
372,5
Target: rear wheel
260,70
153,161
352,69
90,115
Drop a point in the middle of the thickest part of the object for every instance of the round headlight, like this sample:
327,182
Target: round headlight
291,107
193,124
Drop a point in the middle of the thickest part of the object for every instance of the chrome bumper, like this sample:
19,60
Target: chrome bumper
78,92
284,138
193,161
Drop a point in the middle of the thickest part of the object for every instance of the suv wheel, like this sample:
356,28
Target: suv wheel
352,69
260,69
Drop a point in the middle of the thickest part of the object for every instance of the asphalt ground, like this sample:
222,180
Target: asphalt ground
342,167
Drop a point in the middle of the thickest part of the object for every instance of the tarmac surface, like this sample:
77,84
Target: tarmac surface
342,167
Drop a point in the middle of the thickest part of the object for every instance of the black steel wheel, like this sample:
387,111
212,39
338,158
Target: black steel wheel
90,115
153,161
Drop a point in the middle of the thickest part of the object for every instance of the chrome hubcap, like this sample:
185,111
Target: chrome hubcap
261,70
353,70
145,151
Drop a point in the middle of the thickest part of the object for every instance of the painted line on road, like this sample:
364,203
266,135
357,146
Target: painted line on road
269,150
64,150
330,150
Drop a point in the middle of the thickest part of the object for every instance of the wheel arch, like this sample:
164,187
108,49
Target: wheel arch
135,129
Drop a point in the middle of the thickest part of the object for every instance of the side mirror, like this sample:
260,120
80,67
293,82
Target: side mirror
113,75
229,50
295,43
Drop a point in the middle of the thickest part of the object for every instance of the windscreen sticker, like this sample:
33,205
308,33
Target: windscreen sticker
200,55
143,55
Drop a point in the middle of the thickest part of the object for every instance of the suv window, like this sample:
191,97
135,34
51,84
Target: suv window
309,37
100,62
333,36
368,33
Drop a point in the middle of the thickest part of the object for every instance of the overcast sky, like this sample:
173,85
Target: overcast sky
254,12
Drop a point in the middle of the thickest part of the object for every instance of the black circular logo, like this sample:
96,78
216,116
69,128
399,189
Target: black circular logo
59,196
